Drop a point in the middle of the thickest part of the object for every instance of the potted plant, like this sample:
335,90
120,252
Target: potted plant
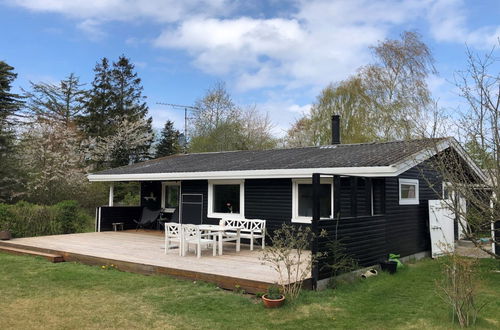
273,298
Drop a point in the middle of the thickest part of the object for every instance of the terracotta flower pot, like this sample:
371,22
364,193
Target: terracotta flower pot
5,235
273,303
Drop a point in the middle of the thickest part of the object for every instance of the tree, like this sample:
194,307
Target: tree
385,100
96,120
350,100
10,103
220,125
114,150
115,98
479,124
53,160
61,102
169,141
256,130
396,84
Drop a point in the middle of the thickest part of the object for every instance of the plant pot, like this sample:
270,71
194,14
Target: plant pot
273,303
5,235
389,266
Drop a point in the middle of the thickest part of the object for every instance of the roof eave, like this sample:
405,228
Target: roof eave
373,171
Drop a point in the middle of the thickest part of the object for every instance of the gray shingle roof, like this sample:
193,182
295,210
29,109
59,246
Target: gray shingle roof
342,155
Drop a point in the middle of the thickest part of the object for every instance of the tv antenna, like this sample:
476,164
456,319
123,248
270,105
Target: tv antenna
186,109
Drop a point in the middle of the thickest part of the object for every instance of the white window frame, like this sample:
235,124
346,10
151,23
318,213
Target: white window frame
295,199
210,201
163,191
409,201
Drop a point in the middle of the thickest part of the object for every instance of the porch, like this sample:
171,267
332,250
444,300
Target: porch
142,252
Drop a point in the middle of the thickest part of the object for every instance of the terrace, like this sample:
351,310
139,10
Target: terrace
142,252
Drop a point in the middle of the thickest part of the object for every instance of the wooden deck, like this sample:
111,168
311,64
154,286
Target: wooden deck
142,252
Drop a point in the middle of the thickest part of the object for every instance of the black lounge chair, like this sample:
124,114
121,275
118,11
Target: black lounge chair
148,217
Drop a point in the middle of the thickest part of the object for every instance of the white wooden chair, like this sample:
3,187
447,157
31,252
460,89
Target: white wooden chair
192,235
251,229
173,234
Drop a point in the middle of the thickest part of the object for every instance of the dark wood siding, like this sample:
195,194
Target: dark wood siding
199,187
269,199
125,214
407,226
151,194
363,237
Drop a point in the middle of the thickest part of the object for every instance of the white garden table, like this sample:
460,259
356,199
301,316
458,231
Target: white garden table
220,234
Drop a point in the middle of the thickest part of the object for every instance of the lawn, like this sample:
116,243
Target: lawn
37,294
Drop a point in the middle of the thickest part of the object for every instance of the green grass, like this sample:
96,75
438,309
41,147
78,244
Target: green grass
37,294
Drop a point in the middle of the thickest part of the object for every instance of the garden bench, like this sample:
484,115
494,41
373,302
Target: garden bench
249,228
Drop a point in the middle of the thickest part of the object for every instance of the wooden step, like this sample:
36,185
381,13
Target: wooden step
49,256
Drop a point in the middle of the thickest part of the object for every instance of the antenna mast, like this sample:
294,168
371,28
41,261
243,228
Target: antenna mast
186,109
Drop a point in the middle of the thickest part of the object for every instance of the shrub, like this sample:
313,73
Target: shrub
458,287
290,257
25,219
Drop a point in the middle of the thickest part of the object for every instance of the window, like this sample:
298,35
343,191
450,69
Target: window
170,194
408,192
302,200
226,199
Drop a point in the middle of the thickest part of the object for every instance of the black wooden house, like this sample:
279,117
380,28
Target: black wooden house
372,195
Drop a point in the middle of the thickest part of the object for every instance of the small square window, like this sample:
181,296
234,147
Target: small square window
408,192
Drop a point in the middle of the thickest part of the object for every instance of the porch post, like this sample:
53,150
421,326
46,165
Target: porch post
316,186
111,193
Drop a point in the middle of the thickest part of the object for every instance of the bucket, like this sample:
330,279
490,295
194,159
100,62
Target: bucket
389,266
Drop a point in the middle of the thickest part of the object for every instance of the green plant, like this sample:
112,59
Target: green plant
290,257
337,259
238,289
273,292
259,294
458,287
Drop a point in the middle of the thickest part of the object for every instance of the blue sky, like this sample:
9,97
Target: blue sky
276,55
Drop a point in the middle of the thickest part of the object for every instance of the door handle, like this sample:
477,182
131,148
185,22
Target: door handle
435,227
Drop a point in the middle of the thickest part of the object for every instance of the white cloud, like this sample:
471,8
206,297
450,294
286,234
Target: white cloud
321,42
125,10
92,29
448,23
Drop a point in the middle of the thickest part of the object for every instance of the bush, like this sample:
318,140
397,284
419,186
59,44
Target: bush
25,219
458,287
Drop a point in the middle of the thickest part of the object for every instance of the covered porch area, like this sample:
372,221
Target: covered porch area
142,252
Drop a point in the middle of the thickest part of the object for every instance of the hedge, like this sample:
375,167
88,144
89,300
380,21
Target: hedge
25,219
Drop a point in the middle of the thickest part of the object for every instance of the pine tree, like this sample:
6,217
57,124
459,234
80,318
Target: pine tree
10,104
114,99
169,141
96,120
61,102
129,104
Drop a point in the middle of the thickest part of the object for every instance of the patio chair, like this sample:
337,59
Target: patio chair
148,217
192,235
173,234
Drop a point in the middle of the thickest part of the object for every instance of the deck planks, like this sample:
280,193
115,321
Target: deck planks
142,252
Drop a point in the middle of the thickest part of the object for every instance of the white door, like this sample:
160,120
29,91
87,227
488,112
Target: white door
441,225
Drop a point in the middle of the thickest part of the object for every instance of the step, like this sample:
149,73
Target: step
49,256
465,243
